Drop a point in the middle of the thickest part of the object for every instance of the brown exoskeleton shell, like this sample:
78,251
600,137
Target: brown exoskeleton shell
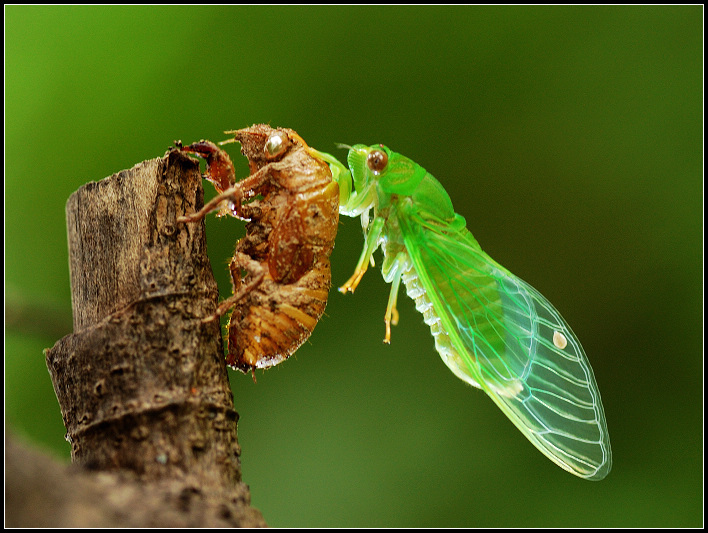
280,271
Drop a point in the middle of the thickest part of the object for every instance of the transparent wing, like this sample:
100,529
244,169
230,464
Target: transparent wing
506,338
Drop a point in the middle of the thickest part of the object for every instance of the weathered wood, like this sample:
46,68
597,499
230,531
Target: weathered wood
42,492
142,381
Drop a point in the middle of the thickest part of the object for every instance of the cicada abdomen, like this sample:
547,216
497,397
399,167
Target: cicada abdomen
280,270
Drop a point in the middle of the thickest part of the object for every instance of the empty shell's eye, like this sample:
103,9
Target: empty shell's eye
276,145
377,161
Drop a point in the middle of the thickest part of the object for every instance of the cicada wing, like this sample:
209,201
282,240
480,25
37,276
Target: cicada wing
505,337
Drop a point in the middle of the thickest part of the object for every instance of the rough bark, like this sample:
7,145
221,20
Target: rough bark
142,381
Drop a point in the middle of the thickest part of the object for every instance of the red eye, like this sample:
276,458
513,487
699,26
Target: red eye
377,161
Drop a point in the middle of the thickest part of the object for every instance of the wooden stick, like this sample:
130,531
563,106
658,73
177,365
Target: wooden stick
142,381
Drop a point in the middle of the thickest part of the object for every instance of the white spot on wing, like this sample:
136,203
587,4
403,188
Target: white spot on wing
559,340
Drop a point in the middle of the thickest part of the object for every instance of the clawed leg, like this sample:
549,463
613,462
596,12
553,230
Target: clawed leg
370,245
220,169
353,282
234,195
253,269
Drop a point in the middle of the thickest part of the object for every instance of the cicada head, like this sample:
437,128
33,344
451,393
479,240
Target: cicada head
377,164
262,144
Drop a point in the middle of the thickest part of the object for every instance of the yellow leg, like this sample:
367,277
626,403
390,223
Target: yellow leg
352,283
370,245
391,316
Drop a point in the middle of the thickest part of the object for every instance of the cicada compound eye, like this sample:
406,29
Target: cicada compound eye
276,145
377,161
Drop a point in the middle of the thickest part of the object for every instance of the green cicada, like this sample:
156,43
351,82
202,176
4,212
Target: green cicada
493,330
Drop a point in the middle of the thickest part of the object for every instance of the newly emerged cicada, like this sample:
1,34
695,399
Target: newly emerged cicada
280,270
492,329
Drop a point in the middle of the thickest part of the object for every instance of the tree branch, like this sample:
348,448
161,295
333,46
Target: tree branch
142,382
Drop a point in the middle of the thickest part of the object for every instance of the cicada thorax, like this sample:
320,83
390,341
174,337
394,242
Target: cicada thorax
290,236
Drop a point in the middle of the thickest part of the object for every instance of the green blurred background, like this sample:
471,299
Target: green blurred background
569,137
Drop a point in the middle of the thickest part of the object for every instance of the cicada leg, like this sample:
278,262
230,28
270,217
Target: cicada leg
392,272
254,269
220,169
235,194
371,243
391,316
